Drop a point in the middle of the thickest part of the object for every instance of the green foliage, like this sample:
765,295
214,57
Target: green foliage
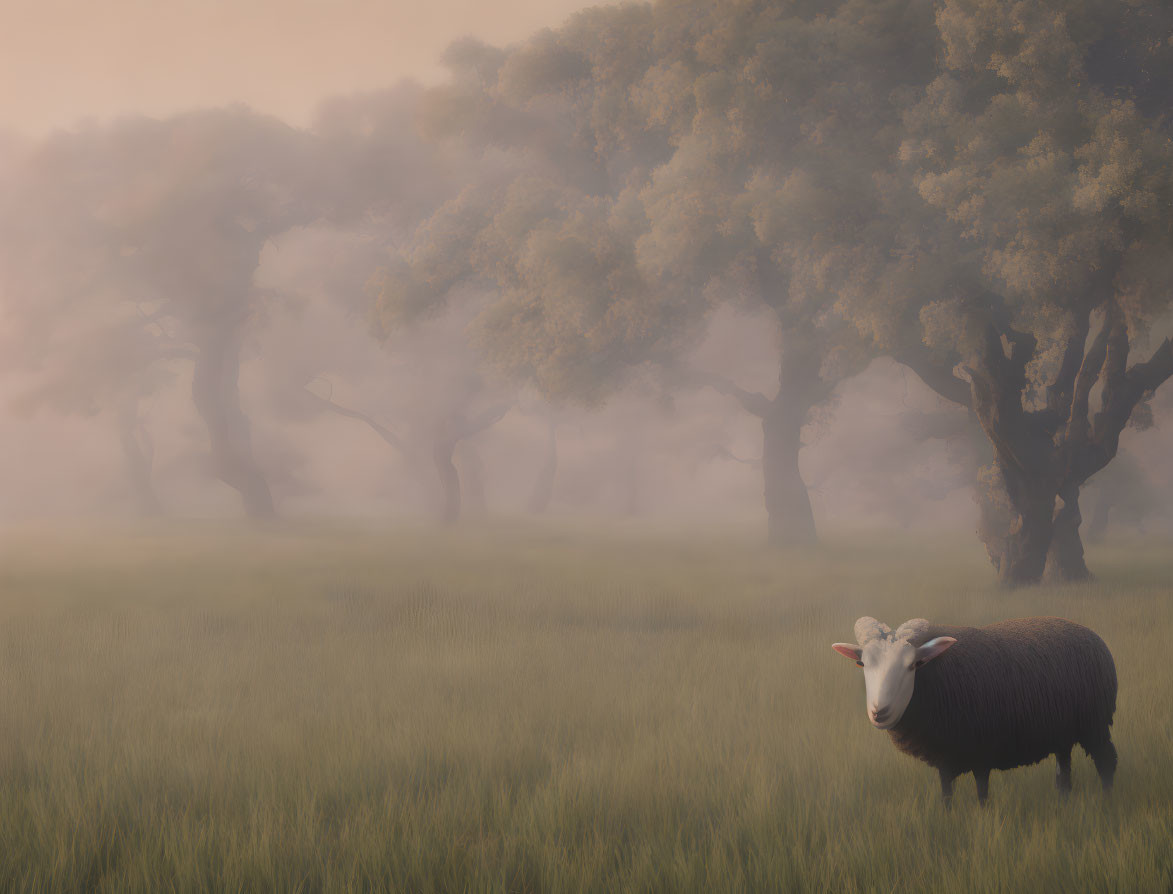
563,710
705,152
1062,185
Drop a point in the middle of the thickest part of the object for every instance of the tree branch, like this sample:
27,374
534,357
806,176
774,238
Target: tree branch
1154,372
478,423
753,402
997,383
1123,391
1089,372
1059,392
936,375
1115,371
382,431
718,451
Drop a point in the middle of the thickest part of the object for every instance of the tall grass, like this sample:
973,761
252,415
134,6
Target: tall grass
327,709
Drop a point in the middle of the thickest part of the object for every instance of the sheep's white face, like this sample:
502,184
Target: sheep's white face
889,672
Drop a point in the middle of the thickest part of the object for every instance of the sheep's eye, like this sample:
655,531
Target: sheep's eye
859,664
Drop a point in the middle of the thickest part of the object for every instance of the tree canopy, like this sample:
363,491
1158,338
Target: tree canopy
981,190
1045,170
975,183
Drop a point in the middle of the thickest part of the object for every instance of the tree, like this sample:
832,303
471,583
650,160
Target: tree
207,192
659,162
160,225
81,340
382,181
1044,169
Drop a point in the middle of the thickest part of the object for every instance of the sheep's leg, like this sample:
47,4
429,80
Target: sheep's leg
947,777
1063,773
1104,755
983,784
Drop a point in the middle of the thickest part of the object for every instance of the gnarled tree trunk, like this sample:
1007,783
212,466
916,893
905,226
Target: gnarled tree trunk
543,492
443,449
449,433
216,394
790,518
1024,453
1024,551
138,452
1045,456
472,473
1065,560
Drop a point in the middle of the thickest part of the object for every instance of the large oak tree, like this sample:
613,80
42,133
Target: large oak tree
1030,280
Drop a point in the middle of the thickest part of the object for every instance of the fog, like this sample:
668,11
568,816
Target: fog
362,260
63,60
434,438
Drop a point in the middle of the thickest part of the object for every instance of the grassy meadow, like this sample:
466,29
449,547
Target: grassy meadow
329,708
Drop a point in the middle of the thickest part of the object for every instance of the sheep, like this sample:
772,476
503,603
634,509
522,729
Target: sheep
990,698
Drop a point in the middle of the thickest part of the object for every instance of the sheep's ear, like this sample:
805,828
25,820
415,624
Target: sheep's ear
932,649
848,650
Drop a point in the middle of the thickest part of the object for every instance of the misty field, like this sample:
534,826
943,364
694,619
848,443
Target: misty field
342,708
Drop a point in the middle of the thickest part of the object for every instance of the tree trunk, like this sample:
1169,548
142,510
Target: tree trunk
216,393
449,433
472,471
139,455
1065,563
790,519
1018,519
543,491
442,451
1024,455
1045,455
1024,556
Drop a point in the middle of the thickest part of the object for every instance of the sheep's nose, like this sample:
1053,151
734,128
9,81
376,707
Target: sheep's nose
879,715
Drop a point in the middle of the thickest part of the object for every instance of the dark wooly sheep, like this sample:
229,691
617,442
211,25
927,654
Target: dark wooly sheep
976,699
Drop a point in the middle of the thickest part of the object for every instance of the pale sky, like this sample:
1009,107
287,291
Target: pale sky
65,60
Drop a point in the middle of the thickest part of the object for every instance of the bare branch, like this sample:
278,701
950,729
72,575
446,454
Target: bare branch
753,402
1122,392
936,375
478,423
1154,372
718,451
1089,372
382,431
1060,391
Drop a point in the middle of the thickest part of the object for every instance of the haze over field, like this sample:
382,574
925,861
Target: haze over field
439,443
897,264
64,60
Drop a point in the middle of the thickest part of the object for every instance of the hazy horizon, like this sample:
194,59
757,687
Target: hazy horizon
63,62
594,252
